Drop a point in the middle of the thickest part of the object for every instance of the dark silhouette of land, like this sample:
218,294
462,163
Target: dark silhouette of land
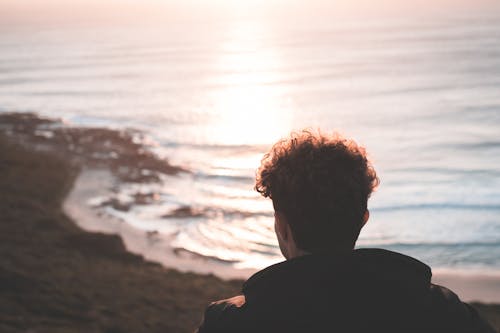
54,277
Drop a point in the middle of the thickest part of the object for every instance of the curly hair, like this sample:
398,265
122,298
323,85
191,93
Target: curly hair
321,183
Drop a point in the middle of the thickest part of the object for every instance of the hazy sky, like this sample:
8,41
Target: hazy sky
32,11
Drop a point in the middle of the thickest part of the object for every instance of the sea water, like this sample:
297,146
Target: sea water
422,95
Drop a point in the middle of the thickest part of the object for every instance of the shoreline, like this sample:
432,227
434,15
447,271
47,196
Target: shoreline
156,247
57,277
107,157
58,274
470,286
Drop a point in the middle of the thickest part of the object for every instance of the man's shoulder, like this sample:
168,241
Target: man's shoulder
461,314
223,315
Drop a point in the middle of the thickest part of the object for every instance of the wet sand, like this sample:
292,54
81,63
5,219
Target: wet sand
153,246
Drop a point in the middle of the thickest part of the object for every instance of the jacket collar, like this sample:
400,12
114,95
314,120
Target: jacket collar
375,264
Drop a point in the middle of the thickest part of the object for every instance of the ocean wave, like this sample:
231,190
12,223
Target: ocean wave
430,245
211,212
442,254
482,145
215,147
425,206
435,88
447,171
240,178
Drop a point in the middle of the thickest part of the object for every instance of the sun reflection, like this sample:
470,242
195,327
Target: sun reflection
250,108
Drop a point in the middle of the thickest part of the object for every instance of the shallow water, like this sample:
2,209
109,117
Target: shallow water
423,95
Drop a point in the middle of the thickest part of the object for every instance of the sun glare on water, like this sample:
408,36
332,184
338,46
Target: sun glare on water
251,107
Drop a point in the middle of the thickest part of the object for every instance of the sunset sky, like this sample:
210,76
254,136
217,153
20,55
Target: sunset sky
75,10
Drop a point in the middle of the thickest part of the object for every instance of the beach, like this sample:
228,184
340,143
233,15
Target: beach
92,182
67,266
55,277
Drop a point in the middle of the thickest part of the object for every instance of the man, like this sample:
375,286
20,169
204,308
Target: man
319,186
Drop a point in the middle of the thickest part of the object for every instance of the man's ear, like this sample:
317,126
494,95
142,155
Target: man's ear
366,217
282,225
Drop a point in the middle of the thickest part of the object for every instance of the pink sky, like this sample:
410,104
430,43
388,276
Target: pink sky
31,11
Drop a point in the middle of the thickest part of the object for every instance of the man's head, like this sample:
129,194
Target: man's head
319,185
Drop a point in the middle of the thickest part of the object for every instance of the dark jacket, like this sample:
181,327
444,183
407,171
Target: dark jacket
367,290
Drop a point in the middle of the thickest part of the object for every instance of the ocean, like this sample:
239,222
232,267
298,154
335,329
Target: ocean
422,95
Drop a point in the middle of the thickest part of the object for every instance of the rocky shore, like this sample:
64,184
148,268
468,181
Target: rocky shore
55,277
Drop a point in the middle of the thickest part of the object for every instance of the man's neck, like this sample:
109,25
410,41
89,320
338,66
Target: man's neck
295,252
